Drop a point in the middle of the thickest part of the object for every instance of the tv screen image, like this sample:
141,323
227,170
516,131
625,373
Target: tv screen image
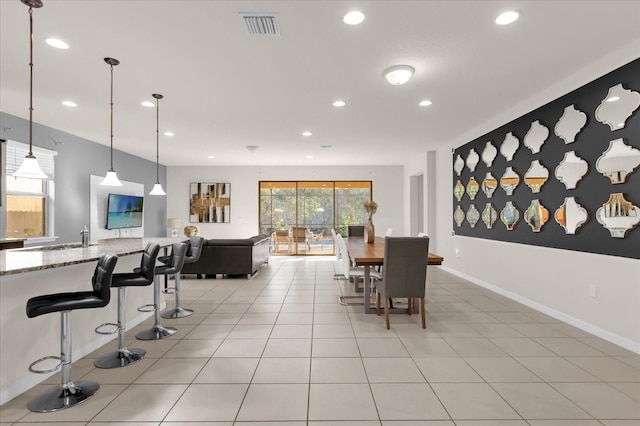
124,211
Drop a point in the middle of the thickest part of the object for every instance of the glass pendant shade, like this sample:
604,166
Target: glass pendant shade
157,190
30,169
111,179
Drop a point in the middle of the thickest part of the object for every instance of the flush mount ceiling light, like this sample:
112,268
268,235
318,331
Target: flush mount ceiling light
354,17
30,167
339,103
507,18
307,133
69,104
58,44
252,148
398,74
425,103
111,179
157,188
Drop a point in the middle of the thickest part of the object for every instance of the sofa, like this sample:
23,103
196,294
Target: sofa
232,257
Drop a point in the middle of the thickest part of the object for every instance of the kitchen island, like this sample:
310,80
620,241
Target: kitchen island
34,271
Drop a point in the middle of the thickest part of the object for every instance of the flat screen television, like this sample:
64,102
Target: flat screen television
124,211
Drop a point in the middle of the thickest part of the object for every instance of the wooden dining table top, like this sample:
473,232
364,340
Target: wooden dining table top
362,253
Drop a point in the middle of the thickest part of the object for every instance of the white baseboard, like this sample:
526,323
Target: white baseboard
582,325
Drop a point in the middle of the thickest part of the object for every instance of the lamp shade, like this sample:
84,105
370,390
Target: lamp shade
399,74
30,169
111,179
157,190
173,222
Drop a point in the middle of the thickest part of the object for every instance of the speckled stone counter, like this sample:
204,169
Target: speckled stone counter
34,271
17,261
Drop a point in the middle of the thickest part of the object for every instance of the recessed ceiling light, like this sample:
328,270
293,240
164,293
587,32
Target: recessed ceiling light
69,104
339,103
168,133
398,74
148,104
58,44
211,157
426,102
354,17
306,133
309,157
507,17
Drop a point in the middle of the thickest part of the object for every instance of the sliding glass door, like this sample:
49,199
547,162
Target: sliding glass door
299,215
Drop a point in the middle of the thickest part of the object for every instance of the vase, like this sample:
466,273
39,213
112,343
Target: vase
369,232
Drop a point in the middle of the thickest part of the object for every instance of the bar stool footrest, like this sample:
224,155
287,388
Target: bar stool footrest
169,290
51,370
147,308
107,333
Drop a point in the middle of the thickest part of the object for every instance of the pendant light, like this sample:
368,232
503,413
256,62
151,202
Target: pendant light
157,188
111,179
30,168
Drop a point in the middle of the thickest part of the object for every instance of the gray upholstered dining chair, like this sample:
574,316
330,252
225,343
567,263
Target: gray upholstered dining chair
355,231
404,273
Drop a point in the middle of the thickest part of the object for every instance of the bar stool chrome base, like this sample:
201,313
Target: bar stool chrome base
177,312
120,358
157,332
64,396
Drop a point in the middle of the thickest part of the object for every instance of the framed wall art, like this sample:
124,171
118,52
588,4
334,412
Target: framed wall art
209,202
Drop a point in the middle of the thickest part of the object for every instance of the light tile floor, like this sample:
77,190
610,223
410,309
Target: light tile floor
279,349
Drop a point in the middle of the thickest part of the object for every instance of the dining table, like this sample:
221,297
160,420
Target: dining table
372,254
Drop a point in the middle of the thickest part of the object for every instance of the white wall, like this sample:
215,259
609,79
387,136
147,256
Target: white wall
551,280
387,185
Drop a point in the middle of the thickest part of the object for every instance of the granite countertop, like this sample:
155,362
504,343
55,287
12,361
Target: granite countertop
17,261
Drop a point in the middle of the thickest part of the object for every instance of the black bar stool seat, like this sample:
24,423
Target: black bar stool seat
70,393
142,276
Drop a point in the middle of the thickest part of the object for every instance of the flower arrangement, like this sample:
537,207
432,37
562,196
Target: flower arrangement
370,207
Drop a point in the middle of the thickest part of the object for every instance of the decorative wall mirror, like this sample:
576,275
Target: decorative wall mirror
458,216
458,165
510,215
458,190
473,215
571,215
489,215
618,161
472,160
619,104
489,185
536,215
472,188
618,215
536,176
536,136
489,154
509,146
509,181
570,124
571,169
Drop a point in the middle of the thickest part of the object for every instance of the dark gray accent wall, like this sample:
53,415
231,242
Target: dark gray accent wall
77,159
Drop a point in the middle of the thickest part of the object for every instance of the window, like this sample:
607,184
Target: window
29,202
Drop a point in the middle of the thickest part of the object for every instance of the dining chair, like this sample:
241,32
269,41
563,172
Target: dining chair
356,272
404,273
355,231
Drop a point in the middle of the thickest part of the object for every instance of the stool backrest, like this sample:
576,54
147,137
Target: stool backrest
196,244
101,280
148,262
178,253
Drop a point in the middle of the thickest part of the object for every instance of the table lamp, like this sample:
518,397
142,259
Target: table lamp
173,224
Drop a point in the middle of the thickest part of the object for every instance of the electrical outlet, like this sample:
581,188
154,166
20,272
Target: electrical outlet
593,291
457,252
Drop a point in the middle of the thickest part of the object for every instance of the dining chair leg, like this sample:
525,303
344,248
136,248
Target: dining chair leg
409,305
377,303
386,312
422,309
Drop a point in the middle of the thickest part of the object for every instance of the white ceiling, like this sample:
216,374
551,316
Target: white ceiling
225,90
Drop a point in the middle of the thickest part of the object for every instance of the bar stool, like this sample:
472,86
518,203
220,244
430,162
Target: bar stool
194,249
69,393
158,331
142,276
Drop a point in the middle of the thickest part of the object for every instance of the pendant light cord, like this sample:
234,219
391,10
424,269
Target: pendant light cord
111,169
30,83
157,140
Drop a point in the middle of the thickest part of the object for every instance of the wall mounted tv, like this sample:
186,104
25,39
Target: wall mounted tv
124,211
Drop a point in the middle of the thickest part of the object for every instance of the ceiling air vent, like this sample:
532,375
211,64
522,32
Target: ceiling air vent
261,24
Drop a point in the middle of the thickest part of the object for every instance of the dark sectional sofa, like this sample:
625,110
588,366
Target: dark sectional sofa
242,256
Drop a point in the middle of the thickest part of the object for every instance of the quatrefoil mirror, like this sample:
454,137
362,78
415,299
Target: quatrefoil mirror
618,161
473,215
536,215
509,146
571,215
458,165
536,176
618,215
536,136
509,181
489,154
489,185
571,170
570,124
509,216
472,188
489,215
472,160
617,106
